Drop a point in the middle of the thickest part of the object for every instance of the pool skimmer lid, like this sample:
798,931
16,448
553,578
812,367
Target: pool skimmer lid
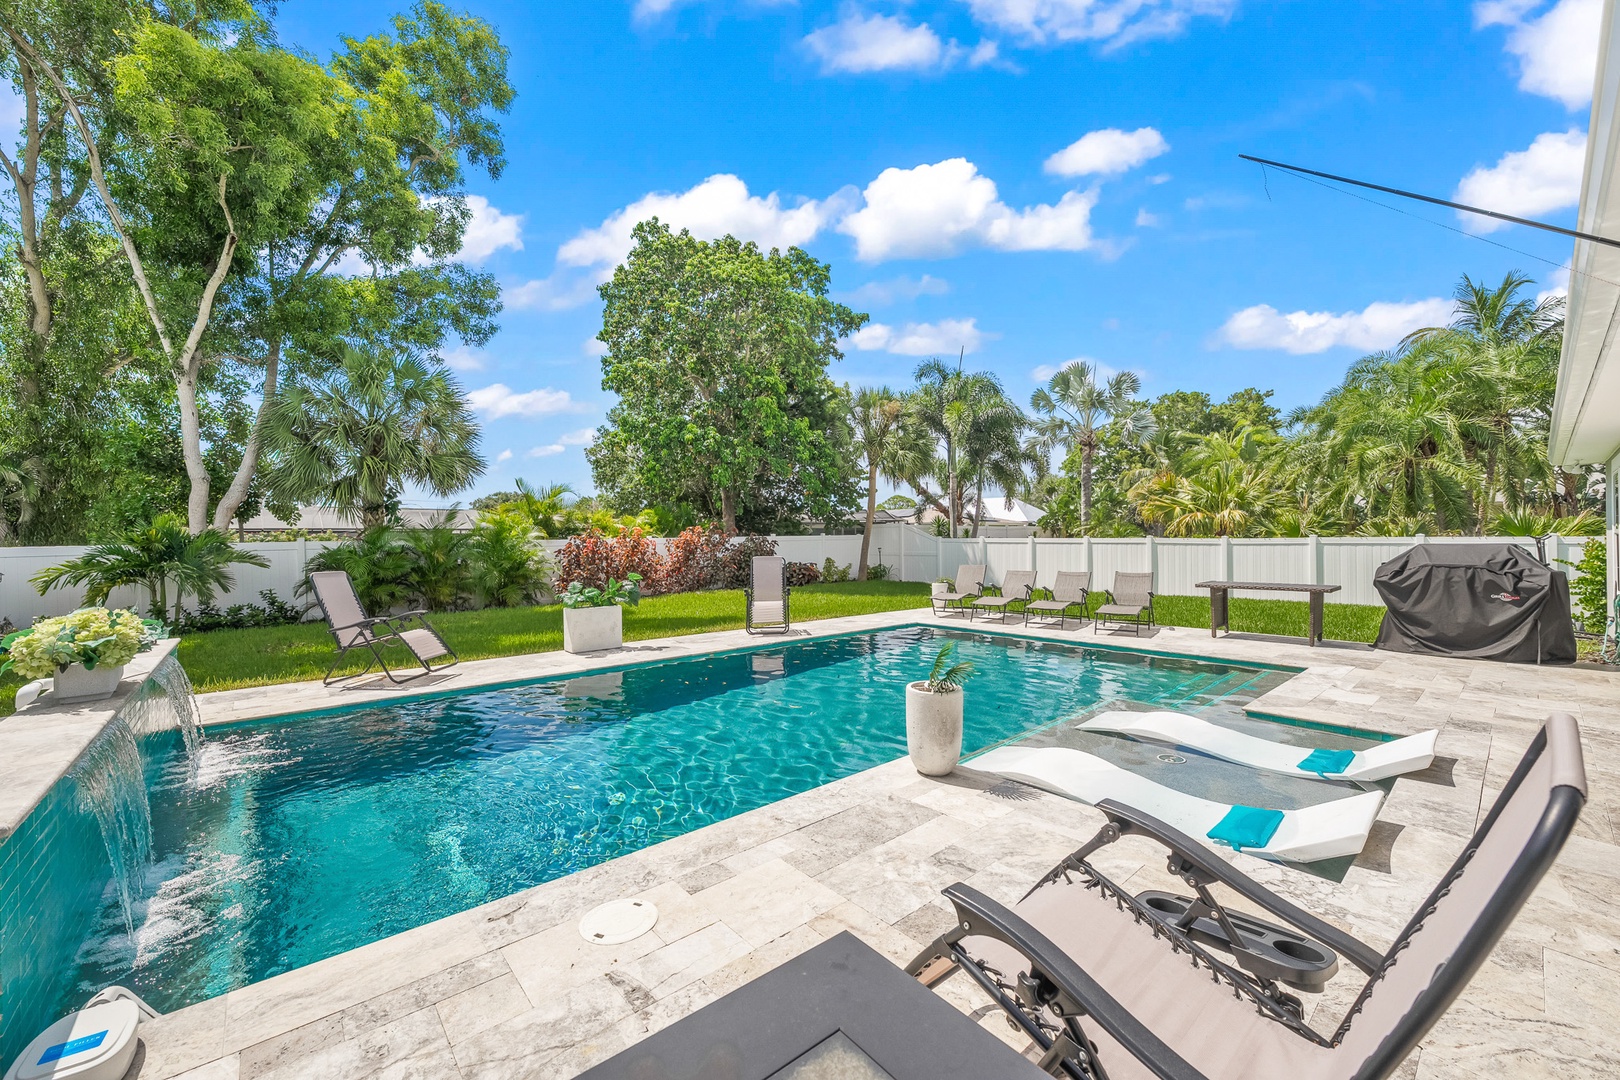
618,921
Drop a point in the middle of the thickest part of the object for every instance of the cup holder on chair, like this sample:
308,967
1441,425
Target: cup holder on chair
1268,951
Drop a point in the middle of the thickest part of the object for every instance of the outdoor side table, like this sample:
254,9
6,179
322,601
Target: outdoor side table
839,1009
1219,608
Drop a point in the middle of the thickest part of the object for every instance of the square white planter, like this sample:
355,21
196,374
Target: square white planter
77,684
593,629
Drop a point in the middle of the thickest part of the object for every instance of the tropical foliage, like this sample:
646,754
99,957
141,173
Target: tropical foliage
496,564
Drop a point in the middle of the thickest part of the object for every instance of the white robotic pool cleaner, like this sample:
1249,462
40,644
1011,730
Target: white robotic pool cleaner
96,1043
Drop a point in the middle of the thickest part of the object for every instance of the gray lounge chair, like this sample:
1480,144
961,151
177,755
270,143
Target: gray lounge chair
1129,601
1071,589
1015,589
1108,984
351,628
767,597
969,586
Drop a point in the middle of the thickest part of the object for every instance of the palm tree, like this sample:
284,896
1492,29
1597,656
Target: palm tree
1073,408
889,445
1224,485
153,558
381,421
544,506
966,412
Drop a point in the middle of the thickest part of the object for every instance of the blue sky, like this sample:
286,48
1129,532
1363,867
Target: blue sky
1033,180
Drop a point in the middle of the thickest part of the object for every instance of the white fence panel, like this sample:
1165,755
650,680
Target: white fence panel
1284,560
1181,564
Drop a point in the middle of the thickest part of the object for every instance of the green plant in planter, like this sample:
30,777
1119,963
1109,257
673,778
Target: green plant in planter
947,677
626,593
94,637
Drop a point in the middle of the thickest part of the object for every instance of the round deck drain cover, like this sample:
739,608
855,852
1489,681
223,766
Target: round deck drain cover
618,921
1172,759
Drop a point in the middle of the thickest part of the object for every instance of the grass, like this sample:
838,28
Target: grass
230,659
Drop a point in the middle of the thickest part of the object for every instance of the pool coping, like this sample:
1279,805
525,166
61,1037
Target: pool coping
39,744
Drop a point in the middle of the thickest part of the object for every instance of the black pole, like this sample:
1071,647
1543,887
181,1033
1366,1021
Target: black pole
1438,202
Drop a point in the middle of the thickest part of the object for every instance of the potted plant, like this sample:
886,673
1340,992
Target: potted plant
593,619
934,714
84,651
943,586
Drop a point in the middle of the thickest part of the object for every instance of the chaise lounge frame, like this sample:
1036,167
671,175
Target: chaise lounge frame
351,628
766,597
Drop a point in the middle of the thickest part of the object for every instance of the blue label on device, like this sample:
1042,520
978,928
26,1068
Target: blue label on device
72,1046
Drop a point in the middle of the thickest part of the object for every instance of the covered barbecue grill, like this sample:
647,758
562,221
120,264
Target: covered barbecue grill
1476,601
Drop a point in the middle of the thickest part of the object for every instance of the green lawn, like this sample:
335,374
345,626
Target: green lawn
227,659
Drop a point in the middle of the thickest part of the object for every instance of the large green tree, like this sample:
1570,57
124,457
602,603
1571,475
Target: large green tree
1074,407
718,353
889,445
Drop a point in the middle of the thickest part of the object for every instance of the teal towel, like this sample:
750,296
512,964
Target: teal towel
1246,827
1328,761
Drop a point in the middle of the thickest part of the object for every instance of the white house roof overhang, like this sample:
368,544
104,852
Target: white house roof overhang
1586,408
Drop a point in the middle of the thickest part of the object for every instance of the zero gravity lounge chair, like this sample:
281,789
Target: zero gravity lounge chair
767,597
1111,985
351,628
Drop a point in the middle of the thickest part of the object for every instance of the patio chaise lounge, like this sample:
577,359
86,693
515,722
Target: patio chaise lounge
1410,754
1071,589
767,597
1328,830
1108,984
351,628
969,586
1129,601
1015,588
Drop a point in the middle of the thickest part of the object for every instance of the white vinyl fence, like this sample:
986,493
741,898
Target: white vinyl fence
911,553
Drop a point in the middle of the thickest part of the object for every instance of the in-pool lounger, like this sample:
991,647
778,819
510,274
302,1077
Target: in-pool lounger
1411,754
1324,831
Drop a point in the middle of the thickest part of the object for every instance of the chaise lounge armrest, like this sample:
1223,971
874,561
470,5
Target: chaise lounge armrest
1188,856
1067,985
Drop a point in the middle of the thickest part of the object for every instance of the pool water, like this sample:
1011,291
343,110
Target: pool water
300,838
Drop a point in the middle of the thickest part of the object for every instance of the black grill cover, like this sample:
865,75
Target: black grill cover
1478,601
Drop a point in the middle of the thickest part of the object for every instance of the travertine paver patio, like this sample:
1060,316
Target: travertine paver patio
509,989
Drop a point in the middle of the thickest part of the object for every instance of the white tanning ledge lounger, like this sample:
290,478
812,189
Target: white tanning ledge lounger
1411,754
1325,831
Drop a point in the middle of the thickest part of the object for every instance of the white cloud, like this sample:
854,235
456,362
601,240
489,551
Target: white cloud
1558,286
718,206
935,210
860,43
503,456
1537,180
592,347
948,336
1159,178
884,293
1107,151
1378,326
1146,219
1113,22
560,291
582,437
489,230
499,400
1557,51
462,358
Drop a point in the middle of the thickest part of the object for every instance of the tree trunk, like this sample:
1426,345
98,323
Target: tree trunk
978,507
728,510
231,501
955,494
191,449
1087,450
871,516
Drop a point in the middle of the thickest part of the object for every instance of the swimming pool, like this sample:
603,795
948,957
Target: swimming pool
302,837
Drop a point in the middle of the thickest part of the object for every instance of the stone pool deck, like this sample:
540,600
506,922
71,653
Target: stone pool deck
509,989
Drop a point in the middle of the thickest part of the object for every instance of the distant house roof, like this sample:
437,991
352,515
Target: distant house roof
326,519
996,512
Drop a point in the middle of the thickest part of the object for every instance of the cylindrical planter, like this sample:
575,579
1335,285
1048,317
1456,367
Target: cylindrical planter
593,629
77,684
941,588
933,729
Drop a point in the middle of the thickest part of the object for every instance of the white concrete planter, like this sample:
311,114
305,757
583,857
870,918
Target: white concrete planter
77,684
941,588
933,729
593,629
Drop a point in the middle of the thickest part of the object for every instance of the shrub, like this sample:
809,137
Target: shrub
271,611
592,558
440,574
802,573
831,571
1590,590
508,569
736,562
877,572
691,561
377,566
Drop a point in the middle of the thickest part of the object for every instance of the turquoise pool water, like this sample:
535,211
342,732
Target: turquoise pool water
303,837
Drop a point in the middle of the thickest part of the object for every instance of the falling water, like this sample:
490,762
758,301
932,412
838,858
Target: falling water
111,784
166,700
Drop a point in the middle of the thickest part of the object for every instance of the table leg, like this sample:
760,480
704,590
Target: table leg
1217,611
1316,618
